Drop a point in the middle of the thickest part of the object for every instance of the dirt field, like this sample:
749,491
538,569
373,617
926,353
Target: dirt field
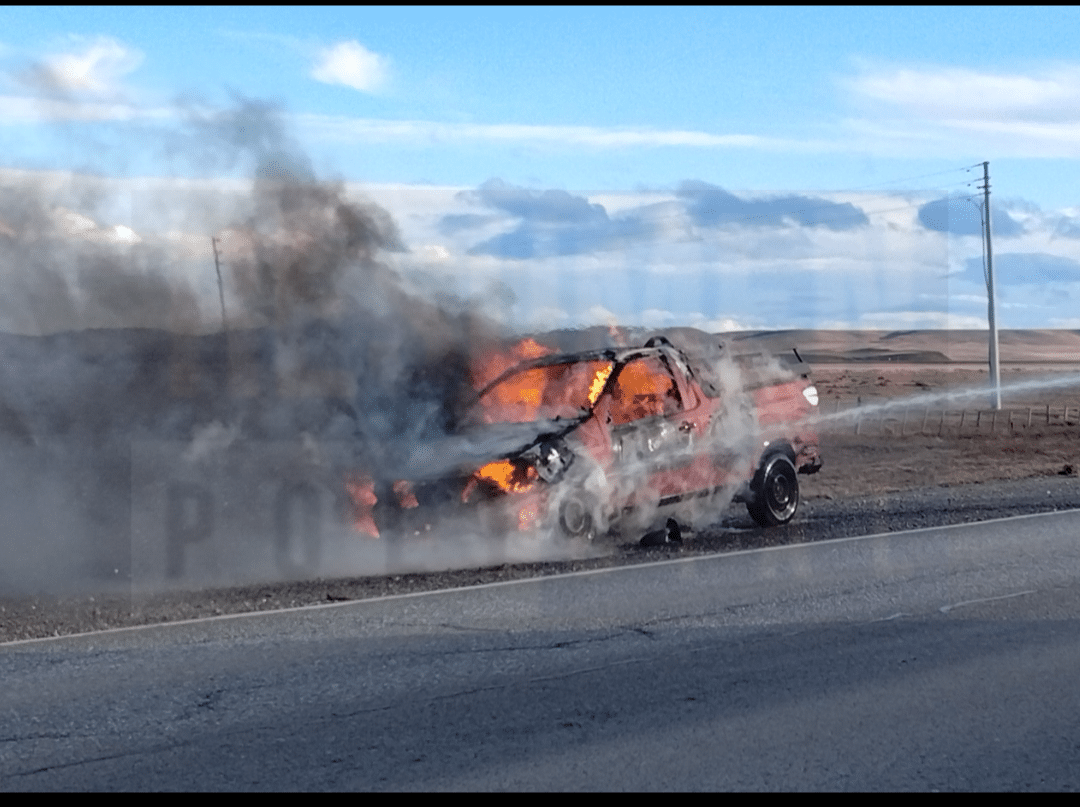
923,444
882,452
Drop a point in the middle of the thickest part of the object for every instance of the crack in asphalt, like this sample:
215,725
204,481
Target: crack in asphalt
92,760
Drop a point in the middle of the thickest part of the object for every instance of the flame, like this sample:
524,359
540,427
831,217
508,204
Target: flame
361,490
644,389
494,363
405,496
508,476
597,385
523,399
560,390
528,516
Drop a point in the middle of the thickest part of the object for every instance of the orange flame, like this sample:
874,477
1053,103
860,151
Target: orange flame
508,476
522,399
405,496
644,389
494,363
597,385
361,490
528,516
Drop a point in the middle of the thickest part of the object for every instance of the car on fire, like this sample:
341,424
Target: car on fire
611,439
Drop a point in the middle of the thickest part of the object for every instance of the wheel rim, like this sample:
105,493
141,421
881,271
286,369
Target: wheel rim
781,495
576,520
781,492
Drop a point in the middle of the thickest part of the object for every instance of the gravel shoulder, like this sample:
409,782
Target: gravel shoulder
821,517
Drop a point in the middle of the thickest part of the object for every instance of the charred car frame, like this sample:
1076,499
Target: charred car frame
609,439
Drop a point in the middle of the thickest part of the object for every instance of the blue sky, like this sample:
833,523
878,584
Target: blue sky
748,167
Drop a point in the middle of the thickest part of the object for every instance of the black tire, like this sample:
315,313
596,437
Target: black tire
577,519
774,492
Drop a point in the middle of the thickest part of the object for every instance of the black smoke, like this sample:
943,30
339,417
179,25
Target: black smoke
114,346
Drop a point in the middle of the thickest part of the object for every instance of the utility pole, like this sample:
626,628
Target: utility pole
220,288
991,291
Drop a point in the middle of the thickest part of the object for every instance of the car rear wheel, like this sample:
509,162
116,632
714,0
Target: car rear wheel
775,492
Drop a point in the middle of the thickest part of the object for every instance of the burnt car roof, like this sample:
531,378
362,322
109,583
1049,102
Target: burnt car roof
618,355
697,364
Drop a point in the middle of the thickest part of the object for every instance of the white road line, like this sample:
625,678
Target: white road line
946,608
528,580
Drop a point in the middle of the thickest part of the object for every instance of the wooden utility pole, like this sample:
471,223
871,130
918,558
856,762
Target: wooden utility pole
220,288
991,291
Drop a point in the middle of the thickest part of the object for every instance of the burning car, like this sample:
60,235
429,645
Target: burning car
608,439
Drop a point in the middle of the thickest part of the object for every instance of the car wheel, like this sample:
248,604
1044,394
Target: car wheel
577,518
774,492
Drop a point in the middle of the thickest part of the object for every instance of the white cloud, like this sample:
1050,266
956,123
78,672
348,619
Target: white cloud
962,94
548,317
352,65
73,224
432,253
952,111
932,320
425,132
123,234
96,68
881,276
599,315
723,325
16,109
714,325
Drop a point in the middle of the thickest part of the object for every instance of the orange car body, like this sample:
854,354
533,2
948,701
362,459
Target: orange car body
575,443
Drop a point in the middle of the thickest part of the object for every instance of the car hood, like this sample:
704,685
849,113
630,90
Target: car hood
464,452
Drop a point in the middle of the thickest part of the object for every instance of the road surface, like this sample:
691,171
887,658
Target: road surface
943,659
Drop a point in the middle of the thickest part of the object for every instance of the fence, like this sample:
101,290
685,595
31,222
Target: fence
898,421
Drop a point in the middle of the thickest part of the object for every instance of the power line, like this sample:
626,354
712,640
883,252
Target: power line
615,245
912,179
831,205
860,212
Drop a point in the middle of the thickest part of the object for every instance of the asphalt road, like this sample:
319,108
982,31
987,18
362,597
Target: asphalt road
943,658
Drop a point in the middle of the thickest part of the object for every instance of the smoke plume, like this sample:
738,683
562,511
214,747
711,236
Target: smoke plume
114,352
